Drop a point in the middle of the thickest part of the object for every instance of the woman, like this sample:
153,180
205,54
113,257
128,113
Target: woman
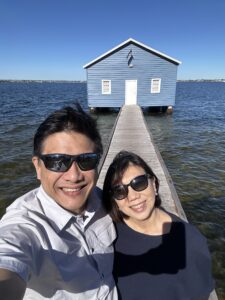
158,256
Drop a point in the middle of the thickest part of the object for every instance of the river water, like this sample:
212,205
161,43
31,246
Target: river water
191,142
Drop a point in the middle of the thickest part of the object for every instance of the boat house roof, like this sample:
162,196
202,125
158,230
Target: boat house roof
127,42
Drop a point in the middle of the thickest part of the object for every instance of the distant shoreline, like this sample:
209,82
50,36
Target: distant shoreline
201,80
41,81
84,81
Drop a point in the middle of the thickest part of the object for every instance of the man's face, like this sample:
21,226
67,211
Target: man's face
69,189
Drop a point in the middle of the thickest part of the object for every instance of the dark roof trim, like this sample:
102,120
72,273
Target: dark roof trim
126,43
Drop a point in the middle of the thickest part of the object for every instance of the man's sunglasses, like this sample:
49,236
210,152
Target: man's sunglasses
138,184
62,162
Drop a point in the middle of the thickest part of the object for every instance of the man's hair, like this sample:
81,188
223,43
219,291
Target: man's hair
114,176
67,119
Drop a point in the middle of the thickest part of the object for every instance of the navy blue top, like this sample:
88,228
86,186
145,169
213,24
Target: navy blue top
173,266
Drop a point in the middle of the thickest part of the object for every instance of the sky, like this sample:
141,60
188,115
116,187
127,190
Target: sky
54,39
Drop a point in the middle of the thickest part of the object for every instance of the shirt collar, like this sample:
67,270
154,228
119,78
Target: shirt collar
93,204
59,217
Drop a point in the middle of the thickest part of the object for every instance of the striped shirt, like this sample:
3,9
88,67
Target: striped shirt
59,255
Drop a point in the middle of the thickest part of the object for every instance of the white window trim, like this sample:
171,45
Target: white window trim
103,87
153,87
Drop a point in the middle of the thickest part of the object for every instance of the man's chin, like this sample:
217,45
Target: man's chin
73,204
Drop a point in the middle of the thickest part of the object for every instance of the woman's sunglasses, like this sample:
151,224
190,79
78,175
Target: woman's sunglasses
138,184
62,162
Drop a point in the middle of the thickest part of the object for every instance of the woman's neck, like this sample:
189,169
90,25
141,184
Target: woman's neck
158,223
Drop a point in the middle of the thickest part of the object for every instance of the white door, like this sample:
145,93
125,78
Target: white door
130,92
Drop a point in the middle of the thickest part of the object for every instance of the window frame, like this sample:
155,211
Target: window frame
103,87
155,89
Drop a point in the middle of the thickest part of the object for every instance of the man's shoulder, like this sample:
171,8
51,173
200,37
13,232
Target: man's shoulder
94,202
97,192
23,200
103,228
100,219
20,207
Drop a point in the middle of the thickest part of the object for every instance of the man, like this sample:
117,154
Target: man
56,241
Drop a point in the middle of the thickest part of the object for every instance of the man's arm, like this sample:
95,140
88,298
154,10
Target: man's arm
12,287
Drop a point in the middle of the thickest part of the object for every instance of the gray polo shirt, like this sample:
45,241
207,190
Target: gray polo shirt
59,255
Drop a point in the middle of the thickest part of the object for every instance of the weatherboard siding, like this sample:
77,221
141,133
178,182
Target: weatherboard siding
146,66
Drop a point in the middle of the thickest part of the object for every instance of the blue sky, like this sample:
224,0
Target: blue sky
53,39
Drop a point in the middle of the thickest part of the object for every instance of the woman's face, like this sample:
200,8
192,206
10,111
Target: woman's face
137,206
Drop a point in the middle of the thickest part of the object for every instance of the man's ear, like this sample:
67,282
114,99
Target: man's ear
37,165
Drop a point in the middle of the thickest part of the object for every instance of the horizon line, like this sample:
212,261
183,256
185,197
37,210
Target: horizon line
77,80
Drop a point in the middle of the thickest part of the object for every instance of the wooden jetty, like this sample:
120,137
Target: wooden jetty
130,133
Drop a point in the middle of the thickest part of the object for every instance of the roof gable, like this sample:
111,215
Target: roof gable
126,43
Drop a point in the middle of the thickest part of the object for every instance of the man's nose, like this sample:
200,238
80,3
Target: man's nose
74,173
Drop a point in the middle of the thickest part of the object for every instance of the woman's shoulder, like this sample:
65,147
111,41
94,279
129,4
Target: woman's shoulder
190,230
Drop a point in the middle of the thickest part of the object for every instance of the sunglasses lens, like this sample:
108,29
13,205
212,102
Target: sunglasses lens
139,183
119,192
87,161
57,163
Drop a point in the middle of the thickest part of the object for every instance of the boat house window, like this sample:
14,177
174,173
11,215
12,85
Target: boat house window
106,86
155,85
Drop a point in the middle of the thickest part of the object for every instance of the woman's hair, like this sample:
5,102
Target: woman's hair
114,175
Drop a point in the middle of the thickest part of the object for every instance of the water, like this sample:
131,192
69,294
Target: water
191,142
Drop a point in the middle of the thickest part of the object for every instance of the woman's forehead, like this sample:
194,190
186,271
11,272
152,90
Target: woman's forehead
130,171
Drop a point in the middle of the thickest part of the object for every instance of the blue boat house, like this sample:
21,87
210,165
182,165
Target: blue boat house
132,73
